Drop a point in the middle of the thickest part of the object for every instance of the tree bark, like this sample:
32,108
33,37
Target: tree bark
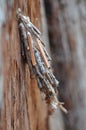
23,108
67,29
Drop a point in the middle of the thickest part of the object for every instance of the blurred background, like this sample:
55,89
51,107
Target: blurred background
64,30
66,21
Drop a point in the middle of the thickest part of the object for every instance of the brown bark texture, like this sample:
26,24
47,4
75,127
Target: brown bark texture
23,108
67,32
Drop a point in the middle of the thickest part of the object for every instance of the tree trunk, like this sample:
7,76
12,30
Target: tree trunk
23,108
67,30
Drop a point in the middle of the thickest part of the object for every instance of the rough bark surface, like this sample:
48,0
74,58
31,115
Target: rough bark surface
23,108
